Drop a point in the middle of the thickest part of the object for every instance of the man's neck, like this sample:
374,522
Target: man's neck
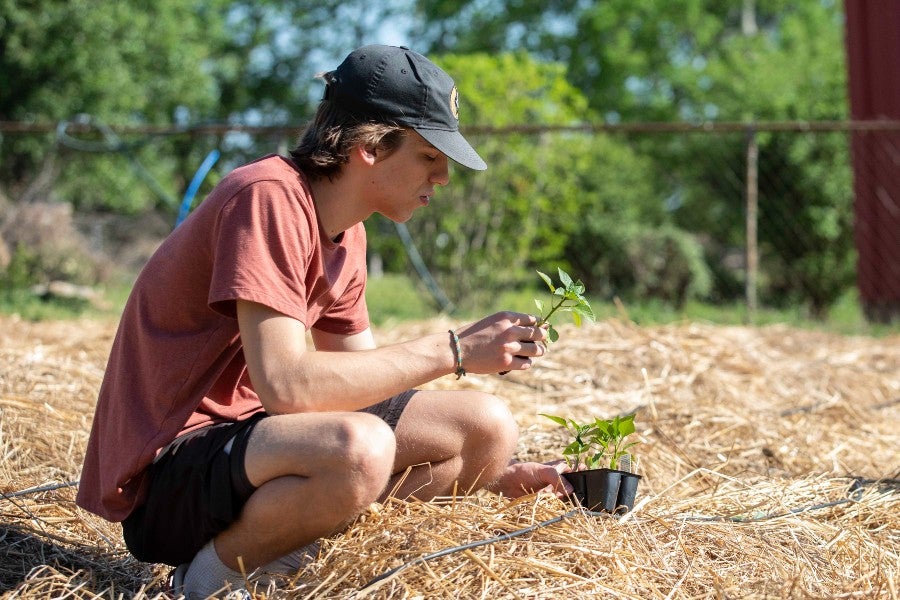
337,204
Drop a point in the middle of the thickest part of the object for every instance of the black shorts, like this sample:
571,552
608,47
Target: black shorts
198,485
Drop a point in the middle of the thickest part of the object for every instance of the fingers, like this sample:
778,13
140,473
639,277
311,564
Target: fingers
561,466
552,475
523,348
529,333
502,342
524,319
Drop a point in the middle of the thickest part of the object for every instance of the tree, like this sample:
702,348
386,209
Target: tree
168,62
700,60
119,63
632,59
487,231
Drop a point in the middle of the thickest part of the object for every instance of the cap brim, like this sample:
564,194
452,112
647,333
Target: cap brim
455,146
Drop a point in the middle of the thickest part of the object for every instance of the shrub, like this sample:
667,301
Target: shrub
637,262
44,245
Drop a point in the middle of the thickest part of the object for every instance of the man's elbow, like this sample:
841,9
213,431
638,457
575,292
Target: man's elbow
286,397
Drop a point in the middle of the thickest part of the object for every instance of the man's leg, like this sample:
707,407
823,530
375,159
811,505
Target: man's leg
461,438
313,472
316,472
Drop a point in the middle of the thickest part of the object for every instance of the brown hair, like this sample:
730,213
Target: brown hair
325,145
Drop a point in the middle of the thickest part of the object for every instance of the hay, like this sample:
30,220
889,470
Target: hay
760,452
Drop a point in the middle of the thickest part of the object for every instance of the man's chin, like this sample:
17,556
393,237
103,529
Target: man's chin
398,218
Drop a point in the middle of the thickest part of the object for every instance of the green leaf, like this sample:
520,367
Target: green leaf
555,419
584,310
565,279
552,334
547,281
576,318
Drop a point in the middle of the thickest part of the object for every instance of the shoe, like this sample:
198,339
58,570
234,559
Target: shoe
176,579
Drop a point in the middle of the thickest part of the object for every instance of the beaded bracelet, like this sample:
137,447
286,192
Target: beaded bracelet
457,351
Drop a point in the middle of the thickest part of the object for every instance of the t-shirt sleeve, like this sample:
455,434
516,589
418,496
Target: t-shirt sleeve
262,245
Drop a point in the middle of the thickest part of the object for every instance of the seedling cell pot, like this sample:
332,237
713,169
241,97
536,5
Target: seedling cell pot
603,489
628,484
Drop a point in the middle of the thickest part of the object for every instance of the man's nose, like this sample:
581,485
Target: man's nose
441,174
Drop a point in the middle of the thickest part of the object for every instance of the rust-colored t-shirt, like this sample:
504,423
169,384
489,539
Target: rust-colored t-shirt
177,362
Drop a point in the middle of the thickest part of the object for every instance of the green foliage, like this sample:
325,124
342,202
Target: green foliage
668,263
39,244
119,62
651,60
568,297
659,60
635,261
592,203
485,228
491,228
806,239
597,441
21,270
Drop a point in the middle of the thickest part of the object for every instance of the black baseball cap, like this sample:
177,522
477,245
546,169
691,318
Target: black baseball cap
396,85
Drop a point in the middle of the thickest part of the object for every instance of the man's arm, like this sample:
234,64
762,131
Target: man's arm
349,373
333,342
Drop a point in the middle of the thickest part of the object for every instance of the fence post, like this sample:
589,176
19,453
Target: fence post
752,212
283,148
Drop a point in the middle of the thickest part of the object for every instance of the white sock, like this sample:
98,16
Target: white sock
208,575
290,563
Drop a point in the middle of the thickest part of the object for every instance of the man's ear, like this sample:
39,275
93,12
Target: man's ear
367,154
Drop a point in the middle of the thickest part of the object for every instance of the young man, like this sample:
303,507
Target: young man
221,440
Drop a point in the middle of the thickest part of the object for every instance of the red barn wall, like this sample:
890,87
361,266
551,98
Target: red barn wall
873,59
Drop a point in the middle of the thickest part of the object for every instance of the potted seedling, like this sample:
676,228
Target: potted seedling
601,476
597,443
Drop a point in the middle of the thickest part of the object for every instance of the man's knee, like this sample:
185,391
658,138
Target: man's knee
496,423
368,449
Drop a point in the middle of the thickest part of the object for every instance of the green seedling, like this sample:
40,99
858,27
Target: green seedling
595,442
613,433
568,297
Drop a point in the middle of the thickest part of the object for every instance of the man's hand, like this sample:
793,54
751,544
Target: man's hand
521,478
504,341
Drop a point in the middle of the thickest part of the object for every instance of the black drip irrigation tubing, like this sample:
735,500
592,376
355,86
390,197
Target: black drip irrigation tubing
854,494
476,544
36,490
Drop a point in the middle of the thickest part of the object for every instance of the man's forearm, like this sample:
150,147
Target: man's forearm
317,381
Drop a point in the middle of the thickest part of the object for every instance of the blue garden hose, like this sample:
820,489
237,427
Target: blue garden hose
191,191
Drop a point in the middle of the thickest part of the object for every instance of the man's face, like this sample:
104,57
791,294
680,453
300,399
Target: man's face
405,179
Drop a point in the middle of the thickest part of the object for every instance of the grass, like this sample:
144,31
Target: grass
396,298
30,307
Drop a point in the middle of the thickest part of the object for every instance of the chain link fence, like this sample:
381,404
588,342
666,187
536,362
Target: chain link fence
782,214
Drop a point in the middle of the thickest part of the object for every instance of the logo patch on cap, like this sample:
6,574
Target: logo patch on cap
454,102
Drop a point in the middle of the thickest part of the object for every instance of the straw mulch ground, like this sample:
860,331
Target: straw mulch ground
762,451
